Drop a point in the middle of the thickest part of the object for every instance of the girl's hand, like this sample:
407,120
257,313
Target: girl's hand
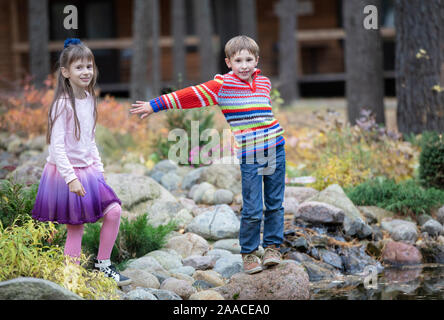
142,107
76,187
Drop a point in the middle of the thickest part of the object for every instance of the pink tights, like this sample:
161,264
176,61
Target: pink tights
108,235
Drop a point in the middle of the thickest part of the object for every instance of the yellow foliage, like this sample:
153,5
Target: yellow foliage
23,254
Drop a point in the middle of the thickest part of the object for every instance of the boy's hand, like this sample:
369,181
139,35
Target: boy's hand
76,187
142,107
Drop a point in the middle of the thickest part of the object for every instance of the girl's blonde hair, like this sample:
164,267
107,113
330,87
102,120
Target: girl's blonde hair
63,89
239,43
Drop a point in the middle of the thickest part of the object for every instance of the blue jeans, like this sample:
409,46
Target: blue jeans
270,170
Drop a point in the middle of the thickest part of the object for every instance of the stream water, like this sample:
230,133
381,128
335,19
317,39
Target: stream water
423,282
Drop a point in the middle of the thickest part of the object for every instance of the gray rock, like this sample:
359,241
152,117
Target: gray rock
219,253
180,287
219,222
157,175
191,178
290,205
167,258
223,176
188,244
199,262
432,227
164,294
165,166
320,213
34,289
223,196
162,212
140,294
202,285
400,230
317,270
231,245
300,194
171,181
331,258
229,265
354,224
187,270
147,263
203,193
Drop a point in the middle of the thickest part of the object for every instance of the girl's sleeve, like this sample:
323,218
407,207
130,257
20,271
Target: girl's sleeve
202,95
62,163
97,161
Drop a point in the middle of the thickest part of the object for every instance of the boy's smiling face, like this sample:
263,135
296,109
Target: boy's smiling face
243,64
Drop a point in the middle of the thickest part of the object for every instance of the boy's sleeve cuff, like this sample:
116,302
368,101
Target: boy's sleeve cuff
155,104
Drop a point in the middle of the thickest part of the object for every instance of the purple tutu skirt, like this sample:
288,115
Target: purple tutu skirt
54,201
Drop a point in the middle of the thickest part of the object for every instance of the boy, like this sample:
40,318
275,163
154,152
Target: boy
244,98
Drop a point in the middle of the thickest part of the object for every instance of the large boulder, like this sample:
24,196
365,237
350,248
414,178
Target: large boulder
219,222
354,224
34,289
133,189
286,281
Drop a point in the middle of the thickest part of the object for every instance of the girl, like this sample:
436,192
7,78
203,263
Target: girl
72,188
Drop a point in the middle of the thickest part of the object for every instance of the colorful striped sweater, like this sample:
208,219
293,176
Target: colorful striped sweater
246,107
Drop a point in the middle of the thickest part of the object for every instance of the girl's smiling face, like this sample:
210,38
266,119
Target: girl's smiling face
80,73
243,64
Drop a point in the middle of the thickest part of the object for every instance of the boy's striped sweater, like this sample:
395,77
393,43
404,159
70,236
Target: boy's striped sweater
246,107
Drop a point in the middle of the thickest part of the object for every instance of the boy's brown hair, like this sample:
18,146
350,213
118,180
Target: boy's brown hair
239,43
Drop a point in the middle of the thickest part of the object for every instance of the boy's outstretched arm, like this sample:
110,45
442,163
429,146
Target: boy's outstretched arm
198,96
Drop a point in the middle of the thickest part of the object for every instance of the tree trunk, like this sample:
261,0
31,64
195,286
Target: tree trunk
288,48
363,62
155,49
247,18
420,65
204,30
139,61
38,41
178,18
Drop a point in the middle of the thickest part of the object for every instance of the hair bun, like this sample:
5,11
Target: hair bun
70,41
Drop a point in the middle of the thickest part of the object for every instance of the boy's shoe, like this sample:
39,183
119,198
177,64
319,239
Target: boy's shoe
110,271
271,257
252,264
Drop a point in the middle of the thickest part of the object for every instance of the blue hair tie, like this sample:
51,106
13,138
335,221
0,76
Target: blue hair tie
71,41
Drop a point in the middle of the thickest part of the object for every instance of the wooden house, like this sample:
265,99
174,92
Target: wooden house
106,26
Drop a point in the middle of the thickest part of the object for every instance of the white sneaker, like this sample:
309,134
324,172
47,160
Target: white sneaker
110,271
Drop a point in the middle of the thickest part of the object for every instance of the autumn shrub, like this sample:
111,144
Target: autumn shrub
337,152
407,197
431,160
24,254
